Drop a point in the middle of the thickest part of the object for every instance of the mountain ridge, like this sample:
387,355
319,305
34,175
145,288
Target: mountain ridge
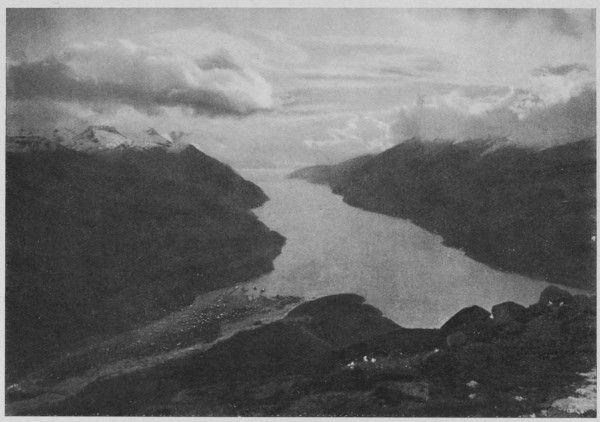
516,209
96,139
102,241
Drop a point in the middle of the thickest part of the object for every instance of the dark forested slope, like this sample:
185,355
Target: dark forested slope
516,209
100,243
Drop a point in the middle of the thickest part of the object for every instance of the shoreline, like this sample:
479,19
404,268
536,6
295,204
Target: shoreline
494,265
231,308
534,219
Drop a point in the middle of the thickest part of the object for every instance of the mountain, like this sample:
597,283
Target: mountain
101,243
516,209
104,138
327,174
96,138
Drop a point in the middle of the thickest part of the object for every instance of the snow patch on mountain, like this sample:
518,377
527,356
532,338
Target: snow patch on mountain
149,139
97,138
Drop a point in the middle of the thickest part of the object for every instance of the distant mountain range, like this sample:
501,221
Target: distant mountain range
93,139
106,232
107,137
521,210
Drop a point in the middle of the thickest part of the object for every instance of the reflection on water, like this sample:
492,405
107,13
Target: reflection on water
400,268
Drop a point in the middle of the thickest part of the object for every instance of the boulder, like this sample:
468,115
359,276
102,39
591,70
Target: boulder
342,319
464,318
507,313
456,339
553,295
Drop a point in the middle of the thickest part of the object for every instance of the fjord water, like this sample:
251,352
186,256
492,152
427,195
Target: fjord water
398,267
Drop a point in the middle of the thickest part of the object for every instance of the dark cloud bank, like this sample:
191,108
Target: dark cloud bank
52,79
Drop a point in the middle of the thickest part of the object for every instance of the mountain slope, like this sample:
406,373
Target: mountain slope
100,243
516,209
338,356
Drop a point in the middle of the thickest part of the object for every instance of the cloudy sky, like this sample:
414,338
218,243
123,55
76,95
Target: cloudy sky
295,86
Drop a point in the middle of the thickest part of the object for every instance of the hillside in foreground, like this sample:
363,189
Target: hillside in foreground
99,243
515,209
338,356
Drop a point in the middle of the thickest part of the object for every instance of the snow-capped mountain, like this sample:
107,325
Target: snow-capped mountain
95,139
98,138
102,138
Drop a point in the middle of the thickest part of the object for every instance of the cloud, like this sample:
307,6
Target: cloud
466,47
426,64
374,67
360,134
209,82
571,22
557,84
487,46
418,66
559,106
40,117
315,69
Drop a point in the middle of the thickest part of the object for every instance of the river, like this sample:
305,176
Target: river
398,267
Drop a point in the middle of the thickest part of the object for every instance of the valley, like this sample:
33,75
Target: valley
139,282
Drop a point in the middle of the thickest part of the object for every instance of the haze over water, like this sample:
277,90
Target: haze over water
398,267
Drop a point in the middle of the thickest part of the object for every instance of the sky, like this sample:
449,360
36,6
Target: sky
288,87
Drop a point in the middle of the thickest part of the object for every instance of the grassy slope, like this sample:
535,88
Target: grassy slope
299,366
514,209
100,244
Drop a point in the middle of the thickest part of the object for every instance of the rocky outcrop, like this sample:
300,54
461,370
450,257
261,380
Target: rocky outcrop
300,366
508,312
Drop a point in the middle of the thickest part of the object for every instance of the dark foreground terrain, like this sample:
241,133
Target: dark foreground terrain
97,244
516,209
337,356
